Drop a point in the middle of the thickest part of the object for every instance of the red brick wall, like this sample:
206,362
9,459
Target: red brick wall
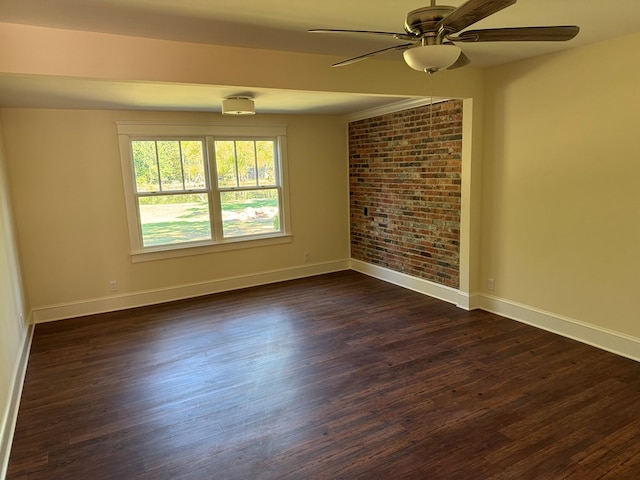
405,178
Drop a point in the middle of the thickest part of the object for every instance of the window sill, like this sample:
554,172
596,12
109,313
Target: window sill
187,250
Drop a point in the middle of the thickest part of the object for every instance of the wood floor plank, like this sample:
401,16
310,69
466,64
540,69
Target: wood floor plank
328,377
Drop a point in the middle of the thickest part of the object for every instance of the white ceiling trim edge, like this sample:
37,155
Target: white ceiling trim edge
393,107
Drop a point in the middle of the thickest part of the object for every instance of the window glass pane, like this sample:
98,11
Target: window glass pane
169,219
170,165
245,150
266,163
145,166
250,213
193,165
181,198
226,163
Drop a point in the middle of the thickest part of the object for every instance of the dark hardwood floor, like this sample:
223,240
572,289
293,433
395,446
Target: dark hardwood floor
330,377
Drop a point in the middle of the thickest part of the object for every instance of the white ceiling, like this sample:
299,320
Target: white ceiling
36,91
278,25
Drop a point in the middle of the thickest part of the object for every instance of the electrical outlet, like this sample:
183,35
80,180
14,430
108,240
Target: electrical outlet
307,257
113,286
491,284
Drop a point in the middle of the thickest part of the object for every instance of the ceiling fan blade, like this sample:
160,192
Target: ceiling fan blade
461,62
399,36
519,34
372,54
471,12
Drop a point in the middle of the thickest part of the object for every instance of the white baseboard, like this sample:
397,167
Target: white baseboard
150,297
605,339
10,414
609,340
447,294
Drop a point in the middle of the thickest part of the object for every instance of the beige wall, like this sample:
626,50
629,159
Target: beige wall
13,329
71,219
552,141
550,179
561,189
89,55
68,157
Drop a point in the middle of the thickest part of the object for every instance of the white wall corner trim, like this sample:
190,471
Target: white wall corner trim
441,292
10,413
467,301
179,292
605,339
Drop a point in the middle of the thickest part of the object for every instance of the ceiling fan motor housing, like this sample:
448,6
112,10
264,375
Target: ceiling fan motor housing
423,20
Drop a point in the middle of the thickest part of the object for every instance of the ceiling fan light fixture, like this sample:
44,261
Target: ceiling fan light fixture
431,58
238,106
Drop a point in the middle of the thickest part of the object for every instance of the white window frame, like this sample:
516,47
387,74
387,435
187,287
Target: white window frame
129,131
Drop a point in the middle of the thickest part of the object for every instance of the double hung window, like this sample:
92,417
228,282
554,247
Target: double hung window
203,186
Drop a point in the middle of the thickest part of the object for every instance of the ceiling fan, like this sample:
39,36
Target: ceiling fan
432,32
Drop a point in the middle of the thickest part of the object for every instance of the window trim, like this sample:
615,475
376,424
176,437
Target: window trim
208,132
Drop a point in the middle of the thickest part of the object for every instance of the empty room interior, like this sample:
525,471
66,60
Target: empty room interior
223,257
